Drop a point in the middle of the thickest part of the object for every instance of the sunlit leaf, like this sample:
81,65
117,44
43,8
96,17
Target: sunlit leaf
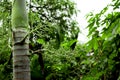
40,41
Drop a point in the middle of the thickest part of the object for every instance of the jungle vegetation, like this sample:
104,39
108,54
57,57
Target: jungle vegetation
55,52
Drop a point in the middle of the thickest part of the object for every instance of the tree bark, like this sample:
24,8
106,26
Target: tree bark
21,63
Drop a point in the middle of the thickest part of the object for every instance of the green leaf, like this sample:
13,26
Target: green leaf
68,43
40,41
72,42
118,26
85,62
95,42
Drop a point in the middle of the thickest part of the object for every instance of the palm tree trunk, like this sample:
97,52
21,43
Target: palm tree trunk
21,63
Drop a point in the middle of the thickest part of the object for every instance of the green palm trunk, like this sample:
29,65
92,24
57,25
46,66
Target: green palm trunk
21,66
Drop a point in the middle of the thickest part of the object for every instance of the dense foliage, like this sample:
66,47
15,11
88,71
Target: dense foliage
54,35
104,29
